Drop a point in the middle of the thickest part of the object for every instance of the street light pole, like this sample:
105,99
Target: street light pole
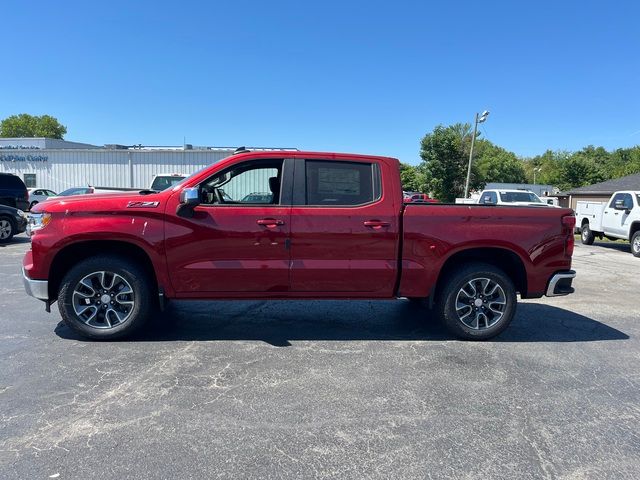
535,170
479,119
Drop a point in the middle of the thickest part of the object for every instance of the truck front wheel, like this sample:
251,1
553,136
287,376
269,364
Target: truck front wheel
586,235
105,297
635,244
477,302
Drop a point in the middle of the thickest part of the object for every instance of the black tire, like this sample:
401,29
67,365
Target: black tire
32,205
7,229
451,295
137,278
586,235
635,244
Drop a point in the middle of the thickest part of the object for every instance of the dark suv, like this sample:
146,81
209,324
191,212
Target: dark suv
13,192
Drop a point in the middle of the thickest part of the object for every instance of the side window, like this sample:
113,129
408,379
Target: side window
617,197
341,183
628,201
489,198
250,183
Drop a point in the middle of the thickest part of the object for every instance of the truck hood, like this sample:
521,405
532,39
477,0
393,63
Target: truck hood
101,202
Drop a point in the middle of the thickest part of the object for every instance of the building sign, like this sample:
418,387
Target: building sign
23,158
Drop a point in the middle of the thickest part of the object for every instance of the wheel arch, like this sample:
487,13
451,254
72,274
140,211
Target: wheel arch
76,252
506,260
635,227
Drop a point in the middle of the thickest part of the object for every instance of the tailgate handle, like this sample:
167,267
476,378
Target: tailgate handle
377,224
269,222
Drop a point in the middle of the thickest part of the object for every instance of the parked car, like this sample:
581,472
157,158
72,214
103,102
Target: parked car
70,192
413,197
76,191
37,195
162,181
258,197
12,222
618,218
13,192
336,229
511,197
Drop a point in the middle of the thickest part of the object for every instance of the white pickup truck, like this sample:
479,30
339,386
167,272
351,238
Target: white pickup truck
618,218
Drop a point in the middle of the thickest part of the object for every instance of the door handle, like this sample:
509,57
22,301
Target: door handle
376,224
270,222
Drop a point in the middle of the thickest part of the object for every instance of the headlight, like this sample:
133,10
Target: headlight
22,214
37,221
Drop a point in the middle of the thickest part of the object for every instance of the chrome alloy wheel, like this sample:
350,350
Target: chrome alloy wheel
636,244
103,300
480,303
5,229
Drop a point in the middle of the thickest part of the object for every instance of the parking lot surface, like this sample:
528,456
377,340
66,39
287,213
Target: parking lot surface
328,389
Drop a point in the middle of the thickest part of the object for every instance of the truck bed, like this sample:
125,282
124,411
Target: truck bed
434,233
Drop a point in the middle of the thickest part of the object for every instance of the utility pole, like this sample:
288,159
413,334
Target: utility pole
479,119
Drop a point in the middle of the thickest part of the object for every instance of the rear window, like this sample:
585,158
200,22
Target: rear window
12,182
511,197
341,183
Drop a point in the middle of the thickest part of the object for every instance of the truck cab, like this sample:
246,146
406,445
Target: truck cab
618,218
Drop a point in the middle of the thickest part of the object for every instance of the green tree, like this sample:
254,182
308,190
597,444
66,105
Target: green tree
495,164
411,177
25,125
445,155
577,171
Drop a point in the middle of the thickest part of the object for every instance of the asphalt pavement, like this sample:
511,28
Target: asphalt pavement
327,389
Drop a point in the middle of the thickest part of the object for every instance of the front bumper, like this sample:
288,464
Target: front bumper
560,284
36,288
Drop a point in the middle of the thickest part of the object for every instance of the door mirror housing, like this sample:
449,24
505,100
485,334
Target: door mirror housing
189,199
621,205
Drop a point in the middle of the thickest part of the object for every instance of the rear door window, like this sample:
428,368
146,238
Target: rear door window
330,183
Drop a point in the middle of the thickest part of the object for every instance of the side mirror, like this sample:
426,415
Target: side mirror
620,205
189,198
488,201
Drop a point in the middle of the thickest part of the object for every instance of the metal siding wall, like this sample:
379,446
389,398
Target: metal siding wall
107,168
255,181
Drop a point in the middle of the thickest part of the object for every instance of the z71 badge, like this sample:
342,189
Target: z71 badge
138,204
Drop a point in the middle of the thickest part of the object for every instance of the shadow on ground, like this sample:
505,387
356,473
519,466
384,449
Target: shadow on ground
619,246
15,240
279,322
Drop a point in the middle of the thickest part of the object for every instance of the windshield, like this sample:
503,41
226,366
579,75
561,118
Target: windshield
163,182
512,197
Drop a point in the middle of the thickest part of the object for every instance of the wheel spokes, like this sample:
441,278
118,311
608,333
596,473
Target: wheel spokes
480,303
103,299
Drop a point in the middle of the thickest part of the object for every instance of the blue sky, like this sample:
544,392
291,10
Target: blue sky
370,77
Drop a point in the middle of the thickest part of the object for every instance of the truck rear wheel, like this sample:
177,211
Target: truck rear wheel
586,235
635,244
105,297
477,302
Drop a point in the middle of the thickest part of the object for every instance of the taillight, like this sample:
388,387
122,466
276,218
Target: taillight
568,226
26,194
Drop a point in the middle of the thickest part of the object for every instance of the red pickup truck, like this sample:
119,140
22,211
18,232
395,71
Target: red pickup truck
325,225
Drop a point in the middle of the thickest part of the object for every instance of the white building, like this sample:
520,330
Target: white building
59,164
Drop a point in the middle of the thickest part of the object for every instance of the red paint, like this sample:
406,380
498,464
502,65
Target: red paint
299,251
